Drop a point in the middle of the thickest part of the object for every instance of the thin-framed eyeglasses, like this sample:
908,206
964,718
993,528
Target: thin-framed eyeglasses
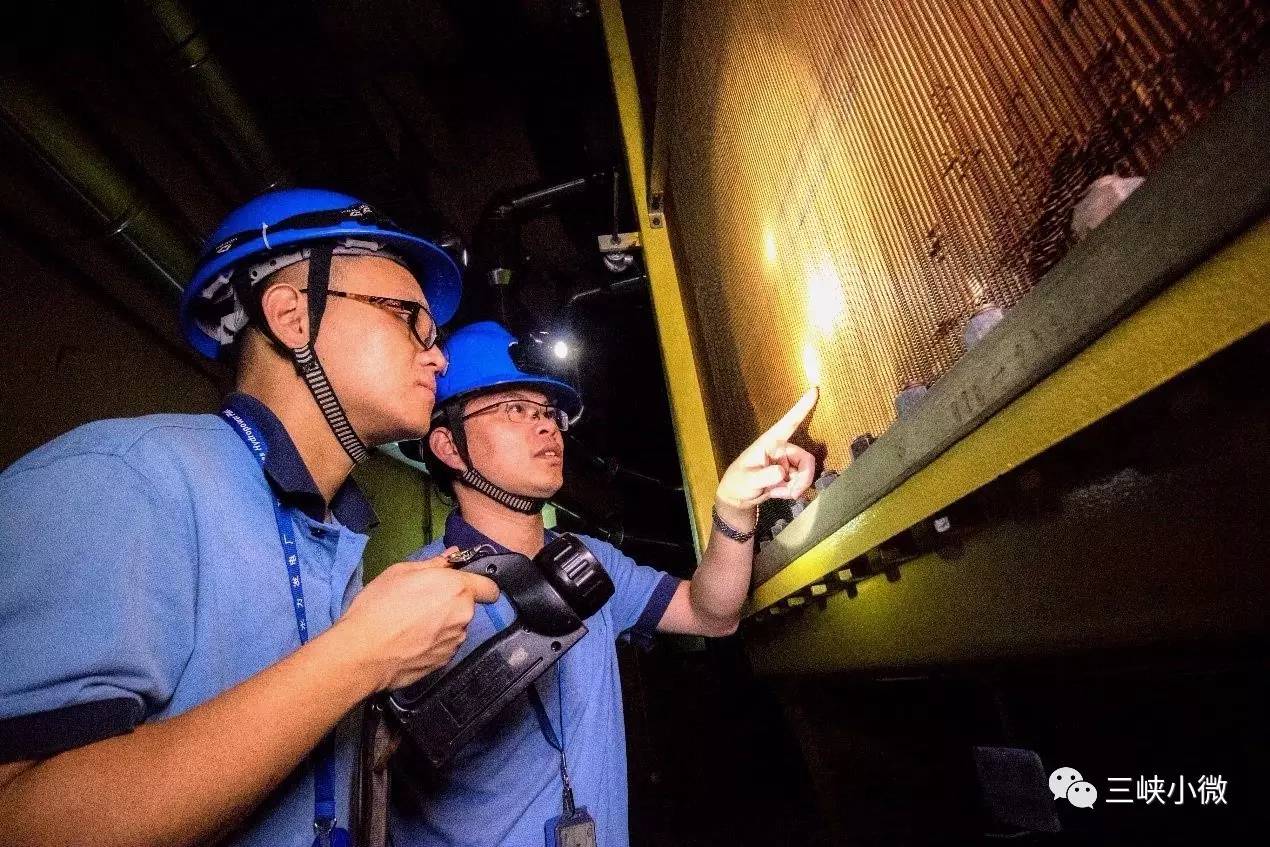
414,313
525,411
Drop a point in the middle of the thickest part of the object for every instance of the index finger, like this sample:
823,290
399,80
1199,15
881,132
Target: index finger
785,427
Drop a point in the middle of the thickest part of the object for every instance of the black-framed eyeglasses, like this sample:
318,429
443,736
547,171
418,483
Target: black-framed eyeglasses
414,313
525,411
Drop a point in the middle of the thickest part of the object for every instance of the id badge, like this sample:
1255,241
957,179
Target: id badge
575,830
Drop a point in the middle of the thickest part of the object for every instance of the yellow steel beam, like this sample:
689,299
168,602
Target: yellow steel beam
1221,301
692,428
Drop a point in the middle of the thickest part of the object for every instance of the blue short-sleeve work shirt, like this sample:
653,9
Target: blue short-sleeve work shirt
141,574
505,785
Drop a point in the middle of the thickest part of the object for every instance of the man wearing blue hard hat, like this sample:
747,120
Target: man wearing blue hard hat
559,754
181,611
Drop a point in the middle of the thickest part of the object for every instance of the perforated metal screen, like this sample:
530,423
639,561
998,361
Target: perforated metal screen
848,181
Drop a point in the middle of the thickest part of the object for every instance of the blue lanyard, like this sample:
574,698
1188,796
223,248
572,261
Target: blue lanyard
544,721
535,700
323,789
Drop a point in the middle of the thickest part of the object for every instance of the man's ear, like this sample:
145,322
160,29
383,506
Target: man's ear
287,313
441,443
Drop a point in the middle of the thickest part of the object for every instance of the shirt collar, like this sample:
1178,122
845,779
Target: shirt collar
461,534
289,476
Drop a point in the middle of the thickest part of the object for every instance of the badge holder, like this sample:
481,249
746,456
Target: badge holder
574,828
330,835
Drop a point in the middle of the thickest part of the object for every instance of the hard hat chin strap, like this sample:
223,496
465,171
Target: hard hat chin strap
473,479
310,369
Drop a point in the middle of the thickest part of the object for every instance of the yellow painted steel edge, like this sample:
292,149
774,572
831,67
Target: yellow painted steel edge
1221,301
692,428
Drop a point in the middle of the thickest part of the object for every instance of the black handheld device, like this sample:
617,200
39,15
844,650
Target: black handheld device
552,594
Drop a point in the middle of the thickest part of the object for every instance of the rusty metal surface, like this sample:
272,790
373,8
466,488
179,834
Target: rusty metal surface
849,181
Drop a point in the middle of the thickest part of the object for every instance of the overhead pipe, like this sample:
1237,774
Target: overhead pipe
501,234
631,283
229,112
127,212
122,300
75,160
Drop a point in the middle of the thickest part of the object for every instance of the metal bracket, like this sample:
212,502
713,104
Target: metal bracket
620,242
656,210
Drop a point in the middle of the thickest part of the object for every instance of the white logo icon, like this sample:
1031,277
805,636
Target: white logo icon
1082,795
1068,783
1063,779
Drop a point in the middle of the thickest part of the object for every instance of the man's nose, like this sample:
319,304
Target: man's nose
435,358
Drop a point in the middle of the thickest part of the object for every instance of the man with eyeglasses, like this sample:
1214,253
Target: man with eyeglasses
496,444
180,613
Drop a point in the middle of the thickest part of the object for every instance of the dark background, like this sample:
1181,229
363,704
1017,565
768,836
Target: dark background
432,111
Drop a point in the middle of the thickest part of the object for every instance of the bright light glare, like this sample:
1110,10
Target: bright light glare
560,349
825,301
769,246
811,364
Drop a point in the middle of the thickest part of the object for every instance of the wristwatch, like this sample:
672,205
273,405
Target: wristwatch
731,531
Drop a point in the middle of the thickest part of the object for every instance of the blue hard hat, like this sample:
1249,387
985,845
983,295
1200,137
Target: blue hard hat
480,357
293,217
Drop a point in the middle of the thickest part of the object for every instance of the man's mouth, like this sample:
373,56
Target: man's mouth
548,453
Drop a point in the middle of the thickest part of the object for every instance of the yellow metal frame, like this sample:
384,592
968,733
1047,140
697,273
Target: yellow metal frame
692,428
1221,301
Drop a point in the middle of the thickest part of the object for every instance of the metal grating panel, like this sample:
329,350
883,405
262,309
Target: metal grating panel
850,180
